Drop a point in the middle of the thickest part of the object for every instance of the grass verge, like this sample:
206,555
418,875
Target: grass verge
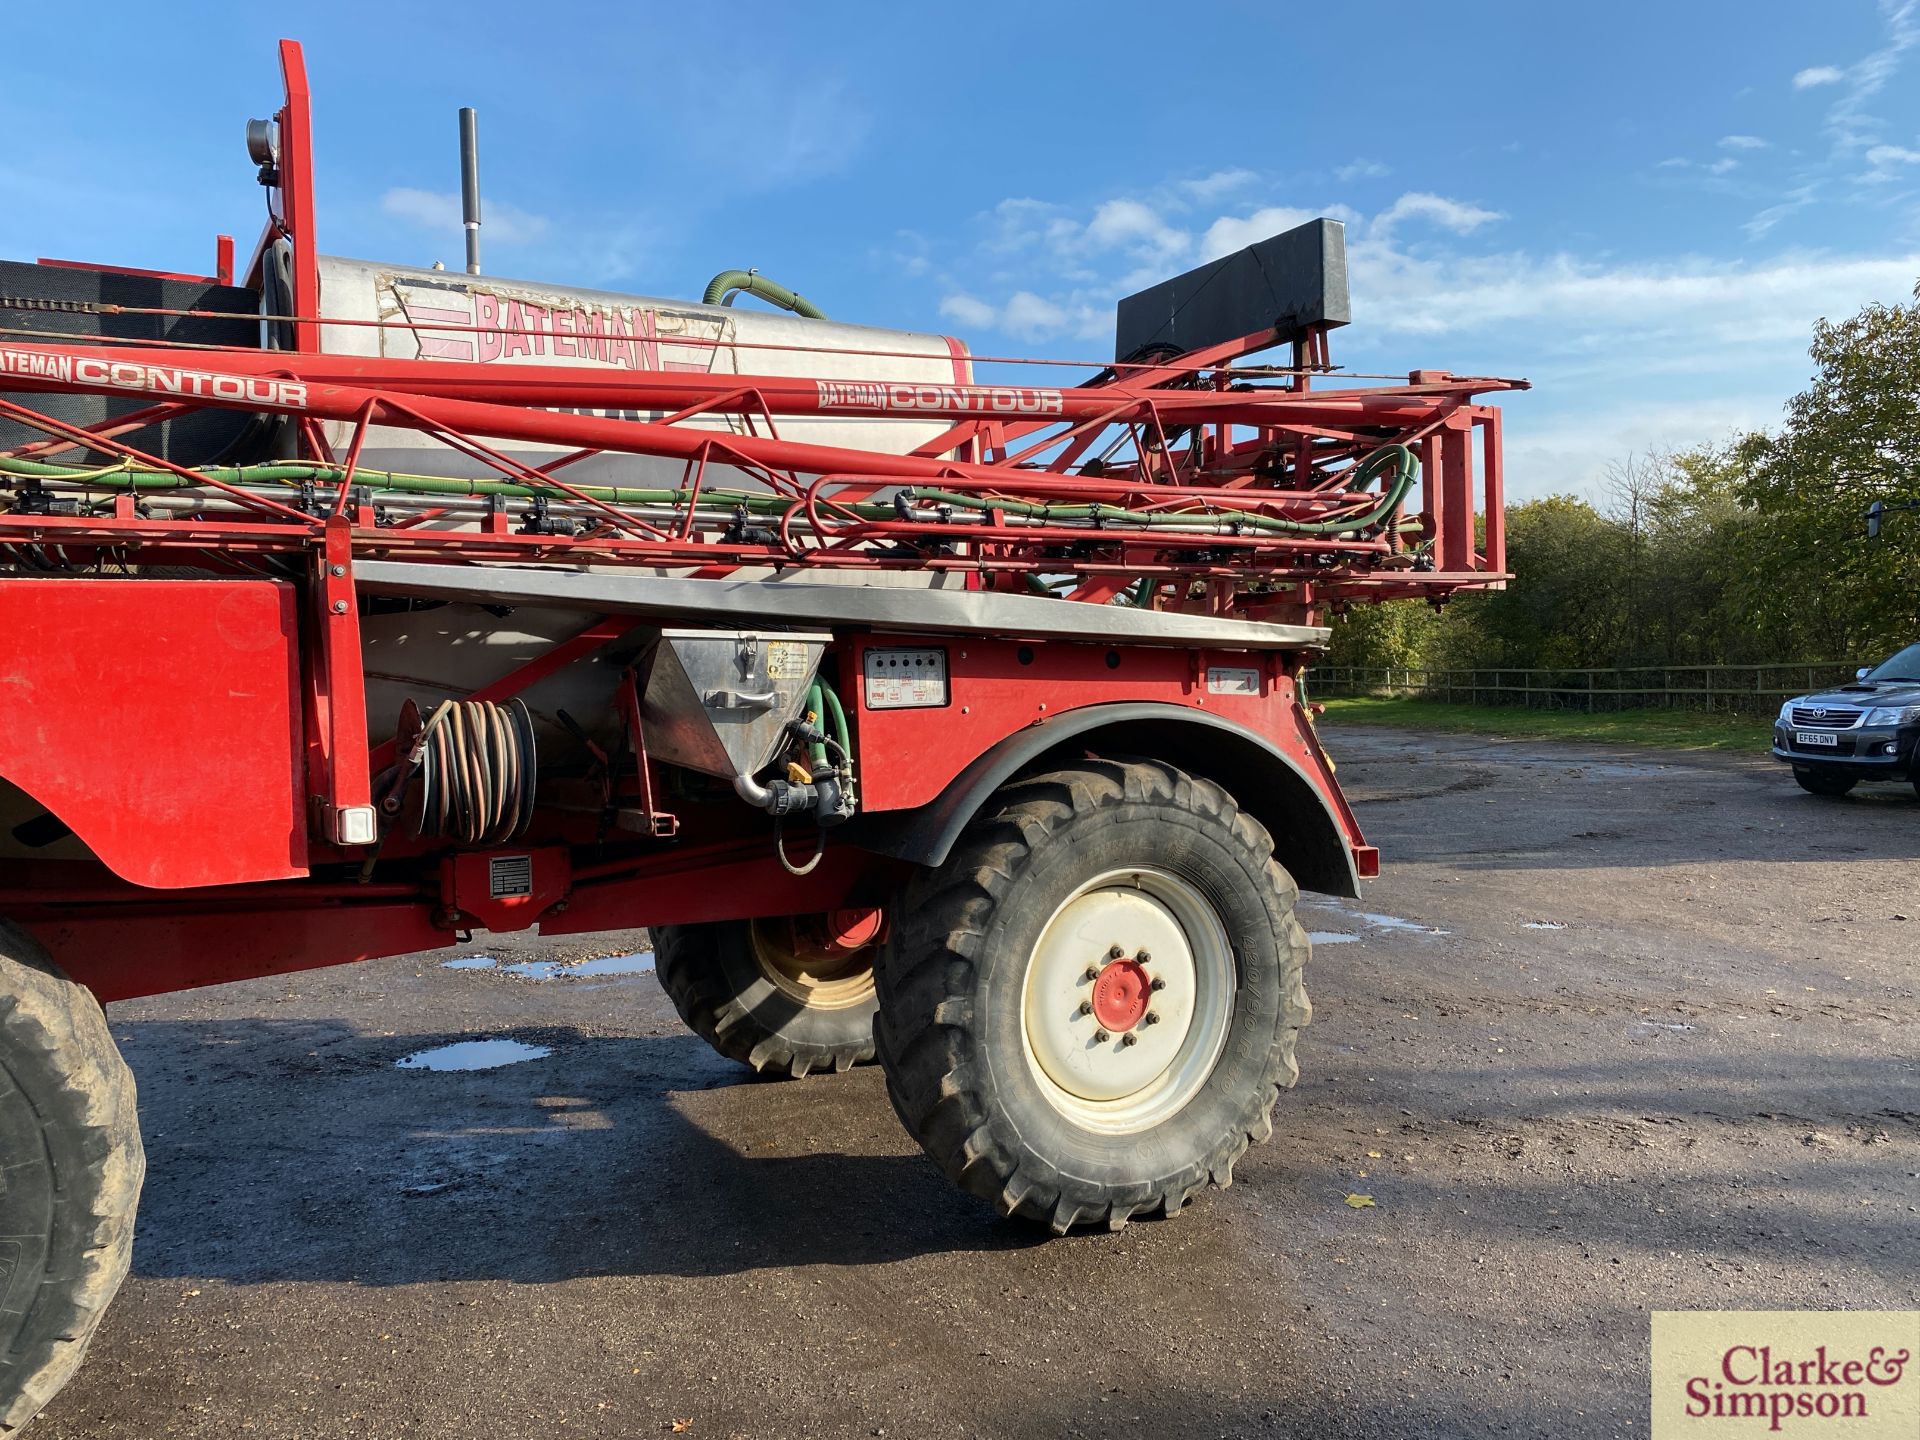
1676,729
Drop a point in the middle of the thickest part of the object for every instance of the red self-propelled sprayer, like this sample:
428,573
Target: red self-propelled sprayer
922,711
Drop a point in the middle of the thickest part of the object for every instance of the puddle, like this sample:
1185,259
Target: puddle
1543,925
473,1055
639,963
1394,922
1331,937
1370,919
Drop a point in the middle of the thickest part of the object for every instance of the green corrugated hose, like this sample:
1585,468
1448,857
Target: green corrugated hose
728,283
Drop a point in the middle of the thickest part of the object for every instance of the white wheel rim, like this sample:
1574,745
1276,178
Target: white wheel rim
1143,1072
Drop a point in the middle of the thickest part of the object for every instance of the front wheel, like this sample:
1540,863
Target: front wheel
1087,1012
1815,782
70,1172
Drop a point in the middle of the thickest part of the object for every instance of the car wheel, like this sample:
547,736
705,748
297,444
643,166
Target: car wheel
1830,786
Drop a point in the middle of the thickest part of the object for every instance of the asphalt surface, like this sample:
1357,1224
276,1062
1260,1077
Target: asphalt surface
1626,1030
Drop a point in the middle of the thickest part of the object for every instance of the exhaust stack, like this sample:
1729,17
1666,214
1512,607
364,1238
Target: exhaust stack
470,185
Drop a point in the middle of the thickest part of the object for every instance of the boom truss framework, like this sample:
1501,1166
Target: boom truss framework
1175,472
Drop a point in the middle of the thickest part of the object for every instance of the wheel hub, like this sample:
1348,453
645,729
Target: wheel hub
803,959
1120,995
1127,999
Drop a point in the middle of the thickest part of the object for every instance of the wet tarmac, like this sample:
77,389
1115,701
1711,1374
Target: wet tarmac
1618,1030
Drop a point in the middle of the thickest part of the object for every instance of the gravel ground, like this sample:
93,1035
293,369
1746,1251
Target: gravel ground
1617,1031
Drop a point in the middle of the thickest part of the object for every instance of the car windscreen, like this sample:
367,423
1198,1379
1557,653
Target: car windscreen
1904,666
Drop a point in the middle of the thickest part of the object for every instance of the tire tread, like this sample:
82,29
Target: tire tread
58,1026
924,1029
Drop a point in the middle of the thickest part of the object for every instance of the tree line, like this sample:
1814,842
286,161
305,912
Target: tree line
1747,552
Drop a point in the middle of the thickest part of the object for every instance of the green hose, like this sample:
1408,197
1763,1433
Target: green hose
817,708
1363,475
131,477
839,718
134,478
724,286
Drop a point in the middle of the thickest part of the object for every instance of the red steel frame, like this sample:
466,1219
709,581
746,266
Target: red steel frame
1209,449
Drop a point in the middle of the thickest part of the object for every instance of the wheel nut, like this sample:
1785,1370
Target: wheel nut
1115,953
1144,956
1086,1007
1150,1018
1158,984
1100,1037
1093,972
1129,1038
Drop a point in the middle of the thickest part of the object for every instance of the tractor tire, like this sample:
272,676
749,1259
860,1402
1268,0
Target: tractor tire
751,992
70,1142
1830,786
1088,1011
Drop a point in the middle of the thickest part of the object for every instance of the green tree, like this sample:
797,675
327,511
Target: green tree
1737,554
1851,437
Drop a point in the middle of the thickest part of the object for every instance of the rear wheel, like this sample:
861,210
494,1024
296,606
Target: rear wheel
72,1164
1087,1012
1815,782
788,994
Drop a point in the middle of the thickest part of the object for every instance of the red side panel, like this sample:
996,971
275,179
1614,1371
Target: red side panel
999,687
119,956
158,720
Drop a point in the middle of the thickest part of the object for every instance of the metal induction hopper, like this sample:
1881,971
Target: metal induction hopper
718,701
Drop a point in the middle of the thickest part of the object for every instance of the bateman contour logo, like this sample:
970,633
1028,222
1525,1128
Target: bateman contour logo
937,399
156,379
1784,1372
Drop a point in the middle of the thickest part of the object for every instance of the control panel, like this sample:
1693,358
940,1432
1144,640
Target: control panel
905,679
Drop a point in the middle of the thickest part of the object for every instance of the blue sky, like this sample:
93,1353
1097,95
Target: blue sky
1640,207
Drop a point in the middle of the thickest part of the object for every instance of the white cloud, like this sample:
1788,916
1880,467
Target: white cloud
1675,162
1851,128
1796,199
964,309
1023,223
1721,166
1885,161
1742,142
1551,456
1848,122
1031,317
1818,75
1134,227
1627,355
1028,316
1360,170
1230,233
1456,215
1703,303
436,210
1218,185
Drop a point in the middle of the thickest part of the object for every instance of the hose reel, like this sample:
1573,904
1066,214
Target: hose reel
477,766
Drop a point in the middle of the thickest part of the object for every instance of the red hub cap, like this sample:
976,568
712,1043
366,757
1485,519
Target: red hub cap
1120,995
